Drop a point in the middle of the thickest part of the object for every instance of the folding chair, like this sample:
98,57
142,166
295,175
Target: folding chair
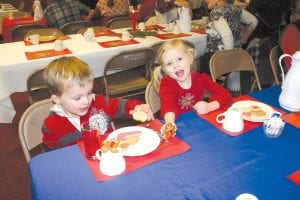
152,98
274,61
127,73
233,60
18,33
37,87
47,33
119,22
30,126
74,27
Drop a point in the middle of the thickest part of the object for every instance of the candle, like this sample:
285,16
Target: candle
133,18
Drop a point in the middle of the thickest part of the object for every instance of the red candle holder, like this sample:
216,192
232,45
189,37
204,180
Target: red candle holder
134,14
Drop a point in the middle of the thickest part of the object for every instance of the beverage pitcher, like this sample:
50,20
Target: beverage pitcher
185,19
290,94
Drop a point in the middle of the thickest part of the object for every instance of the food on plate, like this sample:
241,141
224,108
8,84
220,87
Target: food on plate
110,145
140,116
254,110
128,138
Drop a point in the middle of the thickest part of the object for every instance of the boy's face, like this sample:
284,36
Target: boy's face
76,100
177,63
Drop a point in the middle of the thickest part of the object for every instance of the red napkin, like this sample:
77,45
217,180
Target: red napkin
173,147
46,53
211,117
199,31
166,36
295,177
116,43
293,119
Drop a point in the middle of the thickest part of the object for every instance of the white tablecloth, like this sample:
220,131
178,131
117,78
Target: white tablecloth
15,68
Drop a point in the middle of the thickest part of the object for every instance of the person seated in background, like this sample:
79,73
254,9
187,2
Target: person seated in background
146,8
229,27
166,10
70,82
111,8
90,3
270,14
60,12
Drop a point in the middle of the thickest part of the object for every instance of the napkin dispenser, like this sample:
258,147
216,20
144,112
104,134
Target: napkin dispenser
290,94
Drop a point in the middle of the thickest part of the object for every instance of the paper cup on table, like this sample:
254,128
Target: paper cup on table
34,39
231,120
59,45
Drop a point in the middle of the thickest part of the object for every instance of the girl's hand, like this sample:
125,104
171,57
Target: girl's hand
203,107
143,108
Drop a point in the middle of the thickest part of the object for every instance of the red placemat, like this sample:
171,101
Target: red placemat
174,147
46,53
104,33
211,117
295,177
166,36
116,43
293,119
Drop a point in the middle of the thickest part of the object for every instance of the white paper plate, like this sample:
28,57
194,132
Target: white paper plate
148,140
247,109
246,196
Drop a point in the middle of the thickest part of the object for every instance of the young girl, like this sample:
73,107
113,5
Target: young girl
70,81
180,87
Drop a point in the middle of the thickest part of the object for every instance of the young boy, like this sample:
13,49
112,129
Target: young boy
70,82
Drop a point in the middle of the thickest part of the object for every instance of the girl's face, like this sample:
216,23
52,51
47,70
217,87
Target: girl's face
211,3
177,64
76,100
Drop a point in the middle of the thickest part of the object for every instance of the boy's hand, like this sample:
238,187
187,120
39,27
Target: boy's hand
142,113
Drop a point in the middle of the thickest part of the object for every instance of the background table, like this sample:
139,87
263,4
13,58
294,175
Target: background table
8,8
217,166
15,68
9,24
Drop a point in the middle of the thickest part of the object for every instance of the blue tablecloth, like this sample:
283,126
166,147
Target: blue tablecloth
217,167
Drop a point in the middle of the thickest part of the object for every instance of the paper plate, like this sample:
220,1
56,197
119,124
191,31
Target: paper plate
148,140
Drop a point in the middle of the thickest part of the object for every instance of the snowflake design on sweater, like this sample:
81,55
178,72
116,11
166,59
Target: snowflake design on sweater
187,101
102,119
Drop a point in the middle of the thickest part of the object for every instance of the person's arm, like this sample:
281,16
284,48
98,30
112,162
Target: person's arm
250,23
224,30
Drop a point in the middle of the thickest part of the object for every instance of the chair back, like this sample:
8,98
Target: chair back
54,32
233,60
119,22
274,61
18,33
289,42
30,126
152,98
74,27
37,87
150,20
131,71
95,28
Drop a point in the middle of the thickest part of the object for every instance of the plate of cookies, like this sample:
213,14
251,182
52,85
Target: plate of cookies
135,140
254,111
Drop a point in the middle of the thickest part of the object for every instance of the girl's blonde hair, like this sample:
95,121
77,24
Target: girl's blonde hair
158,72
63,72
